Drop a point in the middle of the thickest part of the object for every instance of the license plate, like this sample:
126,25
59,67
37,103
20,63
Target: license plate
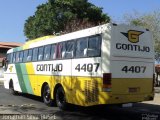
133,90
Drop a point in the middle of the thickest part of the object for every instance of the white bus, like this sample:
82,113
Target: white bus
106,64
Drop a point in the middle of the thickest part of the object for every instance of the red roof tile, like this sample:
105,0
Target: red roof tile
9,44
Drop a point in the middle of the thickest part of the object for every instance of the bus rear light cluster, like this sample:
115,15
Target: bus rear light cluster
107,82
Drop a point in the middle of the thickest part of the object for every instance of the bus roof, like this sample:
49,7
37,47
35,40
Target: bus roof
69,36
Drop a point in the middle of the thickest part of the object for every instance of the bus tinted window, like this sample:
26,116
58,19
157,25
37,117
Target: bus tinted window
60,50
17,57
40,53
81,47
53,51
94,46
21,57
25,55
14,57
29,57
9,57
35,54
69,53
47,51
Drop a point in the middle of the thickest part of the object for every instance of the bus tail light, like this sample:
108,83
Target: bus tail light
107,82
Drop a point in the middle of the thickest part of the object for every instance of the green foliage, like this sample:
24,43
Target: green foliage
63,16
150,21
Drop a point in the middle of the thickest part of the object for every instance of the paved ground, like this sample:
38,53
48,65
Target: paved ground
30,107
156,98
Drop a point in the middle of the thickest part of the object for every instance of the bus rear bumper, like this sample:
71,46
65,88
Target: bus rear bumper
124,98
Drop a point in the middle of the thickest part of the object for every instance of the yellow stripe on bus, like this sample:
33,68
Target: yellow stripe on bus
27,44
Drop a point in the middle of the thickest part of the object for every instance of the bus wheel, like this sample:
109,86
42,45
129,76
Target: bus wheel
47,96
61,98
11,89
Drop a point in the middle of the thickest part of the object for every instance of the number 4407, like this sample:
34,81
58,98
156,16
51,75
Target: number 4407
134,69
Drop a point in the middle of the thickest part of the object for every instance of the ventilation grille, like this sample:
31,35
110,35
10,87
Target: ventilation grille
91,91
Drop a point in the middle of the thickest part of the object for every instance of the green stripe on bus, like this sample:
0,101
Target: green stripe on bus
23,78
20,78
26,78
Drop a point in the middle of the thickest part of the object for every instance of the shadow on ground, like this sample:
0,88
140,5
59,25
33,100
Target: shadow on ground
114,112
100,112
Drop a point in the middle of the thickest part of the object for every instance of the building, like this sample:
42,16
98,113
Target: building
4,47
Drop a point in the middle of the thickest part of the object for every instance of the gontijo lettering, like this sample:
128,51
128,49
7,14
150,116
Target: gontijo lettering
131,47
49,67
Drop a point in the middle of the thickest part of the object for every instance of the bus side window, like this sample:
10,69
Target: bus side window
35,54
21,57
81,46
40,53
29,57
69,49
60,50
14,57
25,55
47,52
63,49
17,57
94,46
53,51
11,58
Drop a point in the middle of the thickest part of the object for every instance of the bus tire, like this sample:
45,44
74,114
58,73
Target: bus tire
61,98
47,96
11,89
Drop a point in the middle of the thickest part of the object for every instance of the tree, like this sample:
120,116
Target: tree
63,16
150,21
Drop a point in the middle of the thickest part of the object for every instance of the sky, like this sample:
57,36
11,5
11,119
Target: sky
13,13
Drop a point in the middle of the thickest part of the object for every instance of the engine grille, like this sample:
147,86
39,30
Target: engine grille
91,91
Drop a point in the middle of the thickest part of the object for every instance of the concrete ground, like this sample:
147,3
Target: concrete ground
156,100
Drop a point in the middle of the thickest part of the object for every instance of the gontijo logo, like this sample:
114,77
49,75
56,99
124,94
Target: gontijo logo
133,36
135,45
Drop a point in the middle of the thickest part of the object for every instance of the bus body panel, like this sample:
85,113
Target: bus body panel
12,76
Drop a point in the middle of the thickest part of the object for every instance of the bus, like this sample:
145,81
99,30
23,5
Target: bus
105,64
